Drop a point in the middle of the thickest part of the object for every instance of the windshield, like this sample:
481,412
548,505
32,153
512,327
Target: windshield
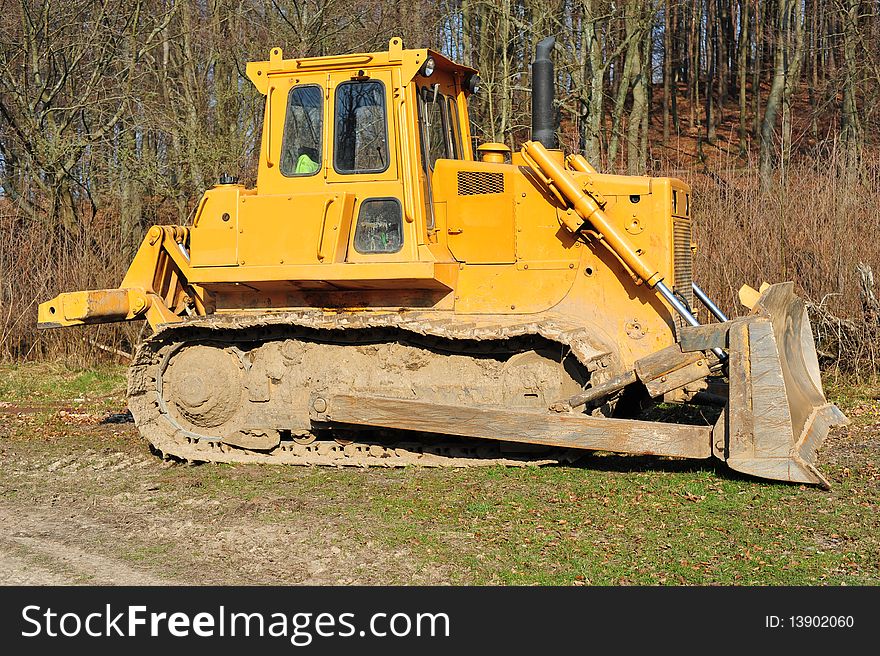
361,139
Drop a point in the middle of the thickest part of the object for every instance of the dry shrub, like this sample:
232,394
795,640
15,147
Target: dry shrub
37,262
813,225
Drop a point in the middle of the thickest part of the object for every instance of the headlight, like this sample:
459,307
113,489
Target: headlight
473,84
428,67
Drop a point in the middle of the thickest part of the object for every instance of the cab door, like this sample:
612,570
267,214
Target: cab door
282,224
363,164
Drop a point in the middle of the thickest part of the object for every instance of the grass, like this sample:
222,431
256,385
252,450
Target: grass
600,526
612,520
616,520
36,384
566,525
152,553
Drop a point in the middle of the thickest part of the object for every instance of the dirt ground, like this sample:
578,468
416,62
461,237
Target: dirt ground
91,504
83,501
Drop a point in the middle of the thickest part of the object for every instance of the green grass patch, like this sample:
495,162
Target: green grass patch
39,384
144,554
569,525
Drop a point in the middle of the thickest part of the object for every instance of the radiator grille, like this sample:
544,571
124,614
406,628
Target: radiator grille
473,183
682,262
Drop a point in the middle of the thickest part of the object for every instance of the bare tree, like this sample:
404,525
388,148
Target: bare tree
850,123
67,72
788,54
741,74
633,79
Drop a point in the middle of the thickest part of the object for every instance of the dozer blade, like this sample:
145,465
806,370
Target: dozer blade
777,415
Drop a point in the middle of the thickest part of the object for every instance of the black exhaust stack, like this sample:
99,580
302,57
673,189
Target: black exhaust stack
543,78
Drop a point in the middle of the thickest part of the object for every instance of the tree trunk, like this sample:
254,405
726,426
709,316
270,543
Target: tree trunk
667,68
774,98
741,74
721,28
694,63
467,21
758,22
794,61
636,154
630,70
130,199
712,39
676,72
594,121
647,58
64,206
850,124
505,93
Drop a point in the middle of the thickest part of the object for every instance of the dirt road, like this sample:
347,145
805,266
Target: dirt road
71,513
31,553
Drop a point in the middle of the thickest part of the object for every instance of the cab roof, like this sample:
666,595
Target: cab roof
410,61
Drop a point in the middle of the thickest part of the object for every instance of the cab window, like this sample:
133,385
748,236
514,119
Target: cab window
379,226
454,130
434,128
361,136
439,127
301,144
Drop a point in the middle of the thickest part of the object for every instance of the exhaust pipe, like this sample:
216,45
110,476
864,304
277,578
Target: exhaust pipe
543,114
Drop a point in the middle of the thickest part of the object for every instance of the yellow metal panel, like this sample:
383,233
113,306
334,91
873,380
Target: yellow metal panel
213,238
479,209
502,289
333,242
608,301
274,230
480,229
541,241
408,156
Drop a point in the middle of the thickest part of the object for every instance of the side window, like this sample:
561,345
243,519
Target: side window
361,138
379,226
454,129
301,144
434,127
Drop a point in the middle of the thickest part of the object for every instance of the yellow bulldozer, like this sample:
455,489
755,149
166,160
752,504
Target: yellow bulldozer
391,294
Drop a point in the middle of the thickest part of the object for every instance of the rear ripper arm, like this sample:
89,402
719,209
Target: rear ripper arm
155,288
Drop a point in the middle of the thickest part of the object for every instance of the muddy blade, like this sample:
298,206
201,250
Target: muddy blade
777,416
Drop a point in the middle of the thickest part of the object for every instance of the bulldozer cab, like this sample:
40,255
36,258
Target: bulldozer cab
350,143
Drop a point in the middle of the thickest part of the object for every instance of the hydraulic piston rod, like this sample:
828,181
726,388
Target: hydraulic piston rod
705,300
685,313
